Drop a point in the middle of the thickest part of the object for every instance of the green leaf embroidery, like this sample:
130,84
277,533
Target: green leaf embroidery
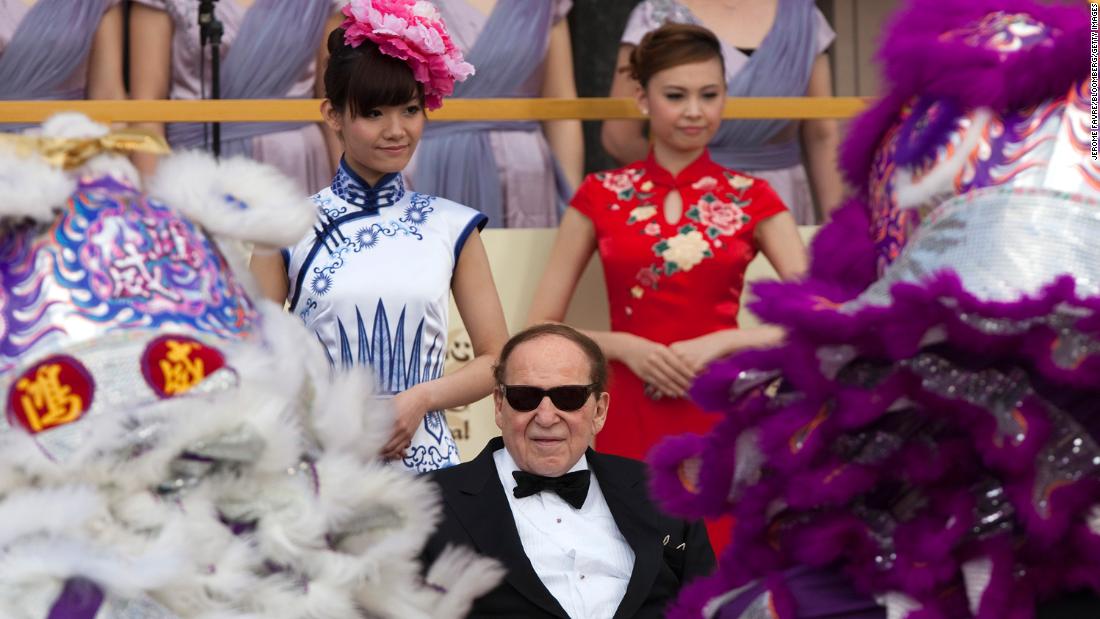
687,228
693,213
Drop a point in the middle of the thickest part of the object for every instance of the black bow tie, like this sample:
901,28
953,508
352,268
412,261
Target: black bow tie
573,487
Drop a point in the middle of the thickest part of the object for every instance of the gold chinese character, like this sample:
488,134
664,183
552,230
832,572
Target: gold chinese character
46,402
181,371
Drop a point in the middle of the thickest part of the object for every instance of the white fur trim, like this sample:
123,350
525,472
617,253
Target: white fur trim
55,511
346,419
335,541
73,125
236,198
464,576
30,187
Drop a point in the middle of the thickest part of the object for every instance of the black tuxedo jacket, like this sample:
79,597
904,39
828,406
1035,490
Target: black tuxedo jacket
667,551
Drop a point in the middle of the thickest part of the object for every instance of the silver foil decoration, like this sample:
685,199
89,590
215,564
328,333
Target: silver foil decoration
747,380
996,392
979,237
1069,455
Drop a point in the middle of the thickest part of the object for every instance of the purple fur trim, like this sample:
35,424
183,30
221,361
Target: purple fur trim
842,252
711,390
806,475
919,61
694,596
782,601
665,483
865,134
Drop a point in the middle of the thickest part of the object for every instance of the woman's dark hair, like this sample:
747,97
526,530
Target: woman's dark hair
672,45
362,78
597,373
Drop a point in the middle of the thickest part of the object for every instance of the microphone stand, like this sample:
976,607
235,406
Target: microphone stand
210,32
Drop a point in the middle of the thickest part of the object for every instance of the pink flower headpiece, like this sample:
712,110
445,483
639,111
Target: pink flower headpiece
414,32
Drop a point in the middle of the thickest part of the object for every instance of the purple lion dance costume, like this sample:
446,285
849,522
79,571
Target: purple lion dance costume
928,433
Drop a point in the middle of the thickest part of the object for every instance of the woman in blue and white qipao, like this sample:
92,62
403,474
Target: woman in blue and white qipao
374,277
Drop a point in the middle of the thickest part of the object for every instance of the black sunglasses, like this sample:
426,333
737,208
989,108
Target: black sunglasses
524,398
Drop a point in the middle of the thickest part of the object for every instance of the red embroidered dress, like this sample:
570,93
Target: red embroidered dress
668,282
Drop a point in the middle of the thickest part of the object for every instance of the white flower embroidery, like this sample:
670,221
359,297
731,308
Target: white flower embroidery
739,182
686,250
704,184
652,228
637,292
642,213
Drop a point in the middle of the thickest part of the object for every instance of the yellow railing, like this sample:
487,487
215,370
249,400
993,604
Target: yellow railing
307,110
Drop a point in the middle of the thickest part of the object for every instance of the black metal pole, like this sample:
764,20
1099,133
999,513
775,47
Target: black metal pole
216,80
210,32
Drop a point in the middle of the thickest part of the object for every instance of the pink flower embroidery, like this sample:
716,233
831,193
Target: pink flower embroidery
647,277
652,228
618,183
723,217
414,32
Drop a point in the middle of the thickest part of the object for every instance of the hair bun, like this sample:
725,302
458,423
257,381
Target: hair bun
670,46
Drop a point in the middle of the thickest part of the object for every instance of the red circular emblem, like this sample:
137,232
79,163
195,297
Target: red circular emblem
54,392
173,364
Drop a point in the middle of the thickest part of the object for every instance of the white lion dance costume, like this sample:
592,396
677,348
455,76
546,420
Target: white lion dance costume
170,448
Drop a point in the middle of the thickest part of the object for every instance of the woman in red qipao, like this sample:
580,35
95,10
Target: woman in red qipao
675,233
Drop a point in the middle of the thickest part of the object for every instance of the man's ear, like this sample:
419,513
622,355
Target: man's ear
498,410
600,417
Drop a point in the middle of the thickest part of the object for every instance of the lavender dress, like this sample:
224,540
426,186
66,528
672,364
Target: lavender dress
779,159
56,70
297,150
530,187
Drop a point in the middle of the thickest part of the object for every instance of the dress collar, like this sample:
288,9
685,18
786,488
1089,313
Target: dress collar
351,188
700,167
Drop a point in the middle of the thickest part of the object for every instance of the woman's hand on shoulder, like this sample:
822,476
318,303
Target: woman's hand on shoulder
656,364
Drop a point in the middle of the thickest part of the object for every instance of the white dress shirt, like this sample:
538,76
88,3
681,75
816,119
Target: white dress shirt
579,554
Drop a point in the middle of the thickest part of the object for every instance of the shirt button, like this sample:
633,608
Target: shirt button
559,520
582,576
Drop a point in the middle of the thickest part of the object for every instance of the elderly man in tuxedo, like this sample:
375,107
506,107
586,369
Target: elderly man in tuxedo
575,529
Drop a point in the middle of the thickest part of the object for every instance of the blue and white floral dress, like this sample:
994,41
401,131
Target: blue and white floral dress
373,282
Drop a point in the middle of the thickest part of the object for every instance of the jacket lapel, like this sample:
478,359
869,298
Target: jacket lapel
484,511
627,497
